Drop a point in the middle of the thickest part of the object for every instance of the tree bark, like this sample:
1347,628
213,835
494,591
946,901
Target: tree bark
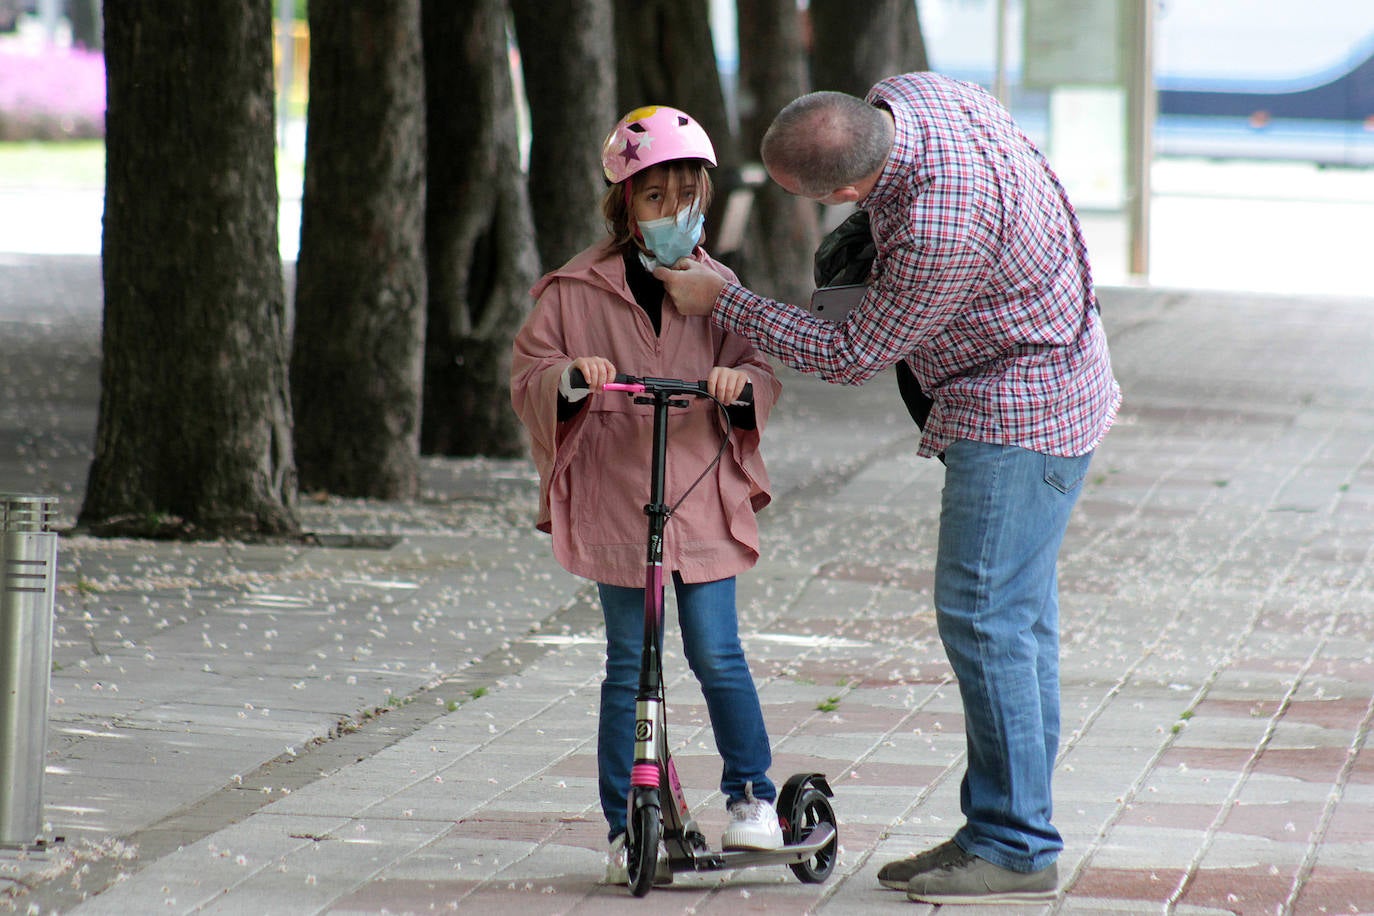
850,53
360,274
479,241
86,28
665,55
569,118
193,437
784,230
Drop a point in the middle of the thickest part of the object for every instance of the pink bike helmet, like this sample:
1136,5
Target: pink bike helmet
650,135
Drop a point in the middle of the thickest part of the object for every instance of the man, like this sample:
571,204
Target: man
981,284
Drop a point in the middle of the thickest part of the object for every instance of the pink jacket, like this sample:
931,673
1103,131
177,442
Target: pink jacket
594,468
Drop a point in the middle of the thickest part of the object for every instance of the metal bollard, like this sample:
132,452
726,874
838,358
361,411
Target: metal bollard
28,573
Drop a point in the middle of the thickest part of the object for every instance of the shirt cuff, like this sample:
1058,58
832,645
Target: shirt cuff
565,388
732,308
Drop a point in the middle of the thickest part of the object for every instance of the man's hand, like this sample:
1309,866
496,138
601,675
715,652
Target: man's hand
691,285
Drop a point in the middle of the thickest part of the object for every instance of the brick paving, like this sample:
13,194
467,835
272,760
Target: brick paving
411,729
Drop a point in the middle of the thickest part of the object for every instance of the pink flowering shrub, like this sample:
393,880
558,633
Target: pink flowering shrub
51,93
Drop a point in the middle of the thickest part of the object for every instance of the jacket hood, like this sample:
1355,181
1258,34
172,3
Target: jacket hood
599,265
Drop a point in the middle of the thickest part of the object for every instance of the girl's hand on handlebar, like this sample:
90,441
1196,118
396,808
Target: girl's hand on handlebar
725,384
597,370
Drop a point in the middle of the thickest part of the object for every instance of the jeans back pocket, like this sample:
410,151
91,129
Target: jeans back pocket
1066,474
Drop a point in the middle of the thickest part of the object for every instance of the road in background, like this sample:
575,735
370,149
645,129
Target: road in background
1277,227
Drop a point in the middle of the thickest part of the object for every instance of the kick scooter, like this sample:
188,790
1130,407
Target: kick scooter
657,807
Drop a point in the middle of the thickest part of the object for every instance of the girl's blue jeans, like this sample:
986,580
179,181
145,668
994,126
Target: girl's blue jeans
710,640
1003,514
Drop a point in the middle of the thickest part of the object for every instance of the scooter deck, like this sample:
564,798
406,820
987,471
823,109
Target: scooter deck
711,860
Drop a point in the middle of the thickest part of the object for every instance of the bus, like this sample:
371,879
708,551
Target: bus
1251,79
1268,79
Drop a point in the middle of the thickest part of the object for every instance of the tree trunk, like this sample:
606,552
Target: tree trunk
569,118
665,55
360,276
850,53
479,240
86,27
784,230
194,432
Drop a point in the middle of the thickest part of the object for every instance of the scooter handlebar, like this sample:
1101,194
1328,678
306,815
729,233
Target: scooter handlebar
636,384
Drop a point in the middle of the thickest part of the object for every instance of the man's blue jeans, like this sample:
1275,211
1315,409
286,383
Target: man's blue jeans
710,640
1003,514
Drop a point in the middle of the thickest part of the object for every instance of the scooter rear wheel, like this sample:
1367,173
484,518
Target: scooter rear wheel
810,810
641,847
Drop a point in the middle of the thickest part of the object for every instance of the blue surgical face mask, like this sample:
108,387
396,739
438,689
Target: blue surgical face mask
673,238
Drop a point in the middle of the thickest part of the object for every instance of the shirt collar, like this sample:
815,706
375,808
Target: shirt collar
904,153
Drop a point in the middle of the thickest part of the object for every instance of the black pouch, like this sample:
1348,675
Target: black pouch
845,256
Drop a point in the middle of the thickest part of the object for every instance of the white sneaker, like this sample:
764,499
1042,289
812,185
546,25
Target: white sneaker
618,867
753,824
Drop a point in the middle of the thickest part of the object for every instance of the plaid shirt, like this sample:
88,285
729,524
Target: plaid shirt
981,283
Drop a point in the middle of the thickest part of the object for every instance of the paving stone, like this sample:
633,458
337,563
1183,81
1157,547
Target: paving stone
361,728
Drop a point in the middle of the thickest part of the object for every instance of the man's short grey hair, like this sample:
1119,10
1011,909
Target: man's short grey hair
826,140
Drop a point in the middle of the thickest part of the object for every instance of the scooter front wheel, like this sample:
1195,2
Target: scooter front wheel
810,809
641,846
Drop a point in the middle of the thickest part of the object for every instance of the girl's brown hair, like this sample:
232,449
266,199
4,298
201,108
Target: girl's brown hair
615,203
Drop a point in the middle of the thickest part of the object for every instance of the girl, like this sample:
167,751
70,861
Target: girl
602,313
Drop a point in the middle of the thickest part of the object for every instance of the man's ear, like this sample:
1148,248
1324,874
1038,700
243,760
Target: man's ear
847,194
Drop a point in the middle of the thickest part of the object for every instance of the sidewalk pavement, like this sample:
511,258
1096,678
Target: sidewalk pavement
404,721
